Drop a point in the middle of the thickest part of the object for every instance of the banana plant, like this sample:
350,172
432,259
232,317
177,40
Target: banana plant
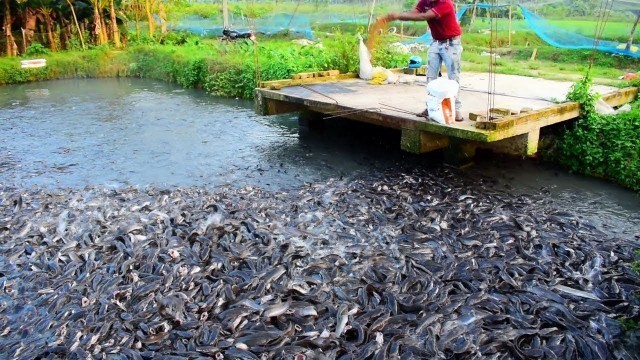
47,11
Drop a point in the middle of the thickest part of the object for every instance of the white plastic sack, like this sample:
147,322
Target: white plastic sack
441,110
441,98
366,69
442,88
623,109
603,108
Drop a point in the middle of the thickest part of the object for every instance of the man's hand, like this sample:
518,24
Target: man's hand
413,15
391,17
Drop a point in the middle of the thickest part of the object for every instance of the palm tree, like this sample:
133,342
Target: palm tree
11,45
115,33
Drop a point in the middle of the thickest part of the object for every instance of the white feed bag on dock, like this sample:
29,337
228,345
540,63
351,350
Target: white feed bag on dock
442,88
366,69
441,98
35,63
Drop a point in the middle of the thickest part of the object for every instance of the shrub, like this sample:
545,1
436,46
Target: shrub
238,81
191,73
36,49
602,145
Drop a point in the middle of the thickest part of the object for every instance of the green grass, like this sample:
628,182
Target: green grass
182,57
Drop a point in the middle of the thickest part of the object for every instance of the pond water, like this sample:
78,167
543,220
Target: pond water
121,132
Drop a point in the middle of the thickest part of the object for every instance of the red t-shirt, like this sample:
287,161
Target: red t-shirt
445,25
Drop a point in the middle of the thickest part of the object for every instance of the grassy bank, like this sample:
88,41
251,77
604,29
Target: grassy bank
231,68
222,68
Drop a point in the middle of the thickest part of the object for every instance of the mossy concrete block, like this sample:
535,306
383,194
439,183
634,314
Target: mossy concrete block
420,142
477,117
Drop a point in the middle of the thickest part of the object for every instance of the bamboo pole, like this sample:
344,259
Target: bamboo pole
633,30
373,5
75,20
24,40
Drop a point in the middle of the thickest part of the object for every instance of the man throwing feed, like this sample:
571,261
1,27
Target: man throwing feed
446,46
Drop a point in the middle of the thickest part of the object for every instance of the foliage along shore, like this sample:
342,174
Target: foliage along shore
230,69
604,146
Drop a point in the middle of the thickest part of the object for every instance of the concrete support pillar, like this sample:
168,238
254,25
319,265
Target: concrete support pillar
267,106
533,138
460,152
310,120
520,145
419,142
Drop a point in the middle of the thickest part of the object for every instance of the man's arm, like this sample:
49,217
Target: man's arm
413,15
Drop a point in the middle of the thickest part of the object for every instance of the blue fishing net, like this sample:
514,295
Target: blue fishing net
550,33
562,38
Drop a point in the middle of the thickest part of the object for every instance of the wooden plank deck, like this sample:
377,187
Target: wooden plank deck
395,106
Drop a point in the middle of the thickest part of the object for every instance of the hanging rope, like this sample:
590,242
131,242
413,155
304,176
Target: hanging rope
256,54
601,23
295,11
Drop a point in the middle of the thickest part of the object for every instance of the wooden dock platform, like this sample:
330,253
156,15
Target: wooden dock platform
530,103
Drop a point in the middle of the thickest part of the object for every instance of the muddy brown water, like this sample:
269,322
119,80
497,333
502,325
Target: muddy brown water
122,132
